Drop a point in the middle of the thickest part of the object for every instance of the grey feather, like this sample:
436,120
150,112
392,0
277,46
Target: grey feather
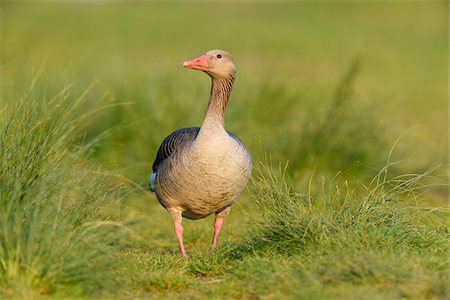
177,140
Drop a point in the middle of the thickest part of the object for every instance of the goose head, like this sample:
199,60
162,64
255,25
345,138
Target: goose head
218,64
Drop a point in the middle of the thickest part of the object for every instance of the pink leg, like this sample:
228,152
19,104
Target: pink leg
217,226
176,216
179,232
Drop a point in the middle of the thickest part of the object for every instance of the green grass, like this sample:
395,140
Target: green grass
52,230
348,96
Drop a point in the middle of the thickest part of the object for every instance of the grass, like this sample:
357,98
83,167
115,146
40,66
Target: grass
329,90
346,236
52,231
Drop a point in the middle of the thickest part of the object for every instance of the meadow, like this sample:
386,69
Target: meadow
343,105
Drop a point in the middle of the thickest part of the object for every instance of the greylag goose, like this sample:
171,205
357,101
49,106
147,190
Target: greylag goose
202,170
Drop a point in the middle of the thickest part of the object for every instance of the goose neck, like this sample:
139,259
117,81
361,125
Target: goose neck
218,100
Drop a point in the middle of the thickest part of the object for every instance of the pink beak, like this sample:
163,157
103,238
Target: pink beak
199,63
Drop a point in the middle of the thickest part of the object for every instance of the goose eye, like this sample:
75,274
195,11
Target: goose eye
219,55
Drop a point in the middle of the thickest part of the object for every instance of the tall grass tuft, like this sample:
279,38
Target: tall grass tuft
385,212
51,229
343,234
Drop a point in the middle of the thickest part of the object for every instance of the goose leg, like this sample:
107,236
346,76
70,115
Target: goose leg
176,216
218,222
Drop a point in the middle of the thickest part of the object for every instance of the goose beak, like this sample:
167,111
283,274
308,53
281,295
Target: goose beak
199,63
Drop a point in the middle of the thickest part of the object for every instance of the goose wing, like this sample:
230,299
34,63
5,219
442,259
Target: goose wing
176,140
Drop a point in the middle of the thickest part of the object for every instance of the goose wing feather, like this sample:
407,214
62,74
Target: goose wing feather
176,140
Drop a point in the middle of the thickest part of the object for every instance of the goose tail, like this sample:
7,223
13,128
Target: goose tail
152,184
